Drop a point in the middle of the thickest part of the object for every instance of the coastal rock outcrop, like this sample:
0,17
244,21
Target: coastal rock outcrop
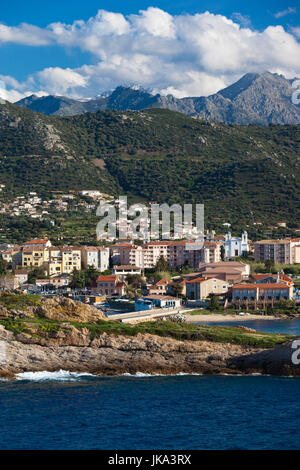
77,350
276,361
64,309
58,309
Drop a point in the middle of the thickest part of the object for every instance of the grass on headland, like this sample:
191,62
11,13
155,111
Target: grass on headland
204,311
178,331
19,301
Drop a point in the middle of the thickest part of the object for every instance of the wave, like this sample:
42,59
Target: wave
59,376
142,374
67,376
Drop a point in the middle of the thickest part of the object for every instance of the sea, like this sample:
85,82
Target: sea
63,410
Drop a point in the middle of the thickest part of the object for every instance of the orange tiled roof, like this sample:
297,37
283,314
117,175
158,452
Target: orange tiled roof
260,286
107,278
282,277
36,242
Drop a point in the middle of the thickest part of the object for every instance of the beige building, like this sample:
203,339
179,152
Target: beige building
200,288
159,287
55,260
34,257
286,251
229,271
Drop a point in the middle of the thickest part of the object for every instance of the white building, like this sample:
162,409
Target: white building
124,271
235,246
96,256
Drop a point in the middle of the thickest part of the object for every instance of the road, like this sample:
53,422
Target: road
146,315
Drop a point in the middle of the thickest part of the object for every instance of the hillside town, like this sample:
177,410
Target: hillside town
158,274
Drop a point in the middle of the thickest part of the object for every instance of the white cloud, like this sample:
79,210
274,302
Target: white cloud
282,13
186,55
60,81
25,34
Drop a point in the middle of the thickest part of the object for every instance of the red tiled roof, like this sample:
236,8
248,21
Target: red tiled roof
107,278
282,276
36,242
161,282
260,286
198,280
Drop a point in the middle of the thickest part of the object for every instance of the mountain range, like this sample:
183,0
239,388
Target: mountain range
254,99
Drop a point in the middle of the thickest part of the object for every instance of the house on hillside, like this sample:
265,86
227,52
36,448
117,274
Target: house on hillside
160,287
21,275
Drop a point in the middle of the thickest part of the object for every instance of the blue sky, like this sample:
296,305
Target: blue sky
172,37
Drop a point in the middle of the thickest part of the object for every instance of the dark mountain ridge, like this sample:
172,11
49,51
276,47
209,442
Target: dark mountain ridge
254,99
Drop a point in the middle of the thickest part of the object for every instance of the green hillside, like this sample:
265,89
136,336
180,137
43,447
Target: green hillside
241,172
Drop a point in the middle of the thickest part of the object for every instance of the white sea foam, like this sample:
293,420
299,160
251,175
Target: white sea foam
142,374
59,376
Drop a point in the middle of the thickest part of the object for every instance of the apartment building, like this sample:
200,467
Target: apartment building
286,251
175,253
71,259
34,256
96,256
261,293
55,260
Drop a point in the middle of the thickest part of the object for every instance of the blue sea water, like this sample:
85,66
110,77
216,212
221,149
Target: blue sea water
290,327
175,412
79,411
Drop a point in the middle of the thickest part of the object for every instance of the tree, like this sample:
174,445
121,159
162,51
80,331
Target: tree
77,279
3,267
36,273
161,265
177,289
269,264
214,303
222,253
134,285
90,276
135,281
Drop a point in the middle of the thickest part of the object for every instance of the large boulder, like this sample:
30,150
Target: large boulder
65,309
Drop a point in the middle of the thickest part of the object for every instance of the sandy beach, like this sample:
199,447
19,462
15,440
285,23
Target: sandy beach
223,318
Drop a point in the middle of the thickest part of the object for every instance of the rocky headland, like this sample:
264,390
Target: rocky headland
59,334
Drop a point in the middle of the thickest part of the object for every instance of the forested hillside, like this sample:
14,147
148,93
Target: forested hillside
244,172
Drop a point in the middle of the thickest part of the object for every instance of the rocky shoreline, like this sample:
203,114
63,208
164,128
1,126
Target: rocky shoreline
74,350
66,341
